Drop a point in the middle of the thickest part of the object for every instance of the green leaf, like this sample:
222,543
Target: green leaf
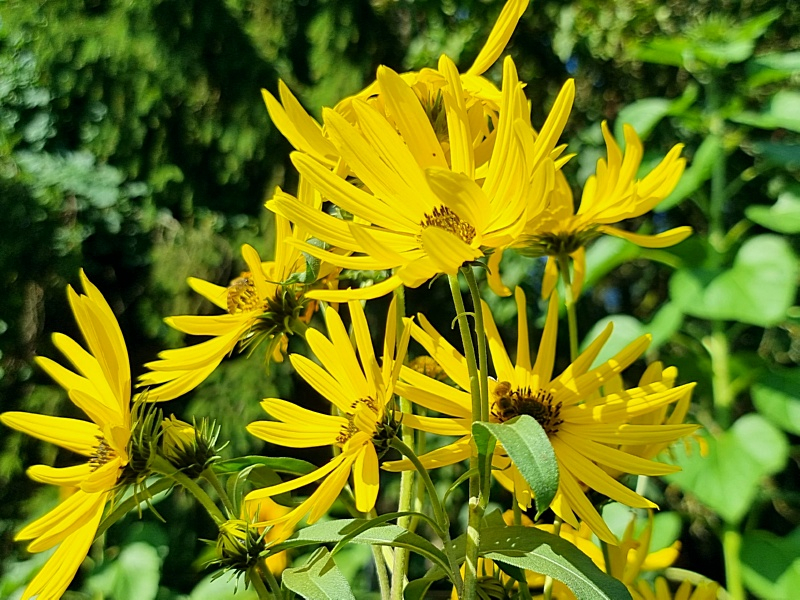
541,552
529,448
318,579
331,532
292,466
783,216
770,68
606,254
643,115
705,157
771,564
729,477
418,589
780,114
758,289
775,154
135,573
777,397
219,587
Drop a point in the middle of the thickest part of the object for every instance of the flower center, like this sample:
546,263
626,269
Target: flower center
556,244
242,295
349,430
510,403
444,218
102,454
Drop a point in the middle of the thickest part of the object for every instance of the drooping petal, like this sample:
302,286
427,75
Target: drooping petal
72,434
660,240
61,476
366,478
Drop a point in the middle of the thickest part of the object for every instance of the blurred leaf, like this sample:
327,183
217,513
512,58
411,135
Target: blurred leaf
529,448
708,153
771,565
781,113
646,113
776,154
663,325
606,254
541,552
770,68
783,216
728,479
222,587
758,289
318,579
135,573
777,397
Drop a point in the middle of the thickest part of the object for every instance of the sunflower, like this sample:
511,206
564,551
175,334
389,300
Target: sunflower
612,194
265,303
362,393
101,388
420,210
584,423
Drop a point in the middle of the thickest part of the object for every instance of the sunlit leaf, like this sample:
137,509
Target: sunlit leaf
529,448
771,564
318,579
702,163
777,397
783,216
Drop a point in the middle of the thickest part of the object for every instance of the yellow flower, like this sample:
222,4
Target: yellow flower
101,388
583,421
259,308
308,136
420,210
659,590
362,393
611,195
266,510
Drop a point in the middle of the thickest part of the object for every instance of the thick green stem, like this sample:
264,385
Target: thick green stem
731,548
569,301
401,555
718,349
162,466
476,502
257,580
480,336
547,592
380,570
212,478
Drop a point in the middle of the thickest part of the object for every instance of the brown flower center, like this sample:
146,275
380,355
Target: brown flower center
444,218
242,295
102,454
541,406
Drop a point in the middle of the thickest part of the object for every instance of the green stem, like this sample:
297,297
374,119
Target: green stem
161,465
569,301
258,582
380,570
212,478
524,592
731,548
719,351
129,504
439,514
716,217
547,592
476,501
480,335
402,555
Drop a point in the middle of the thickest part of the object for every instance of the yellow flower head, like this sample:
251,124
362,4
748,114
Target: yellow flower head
660,590
611,195
101,387
583,421
259,306
361,391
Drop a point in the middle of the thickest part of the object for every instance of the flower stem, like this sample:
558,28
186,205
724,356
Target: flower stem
569,301
258,582
476,502
731,547
212,478
380,571
439,514
480,335
161,465
547,592
401,555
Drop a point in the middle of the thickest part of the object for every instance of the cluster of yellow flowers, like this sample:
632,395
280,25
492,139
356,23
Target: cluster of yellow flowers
428,171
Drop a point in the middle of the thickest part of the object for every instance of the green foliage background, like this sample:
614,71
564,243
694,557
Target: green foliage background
134,143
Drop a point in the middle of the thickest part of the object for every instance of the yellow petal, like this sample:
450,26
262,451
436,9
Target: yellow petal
434,395
523,343
550,278
438,425
579,503
366,478
323,382
295,435
51,528
405,109
366,293
215,325
462,195
462,157
447,251
215,294
441,457
364,345
57,573
545,358
63,476
498,38
502,364
616,459
660,240
102,479
298,482
72,434
493,274
442,351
